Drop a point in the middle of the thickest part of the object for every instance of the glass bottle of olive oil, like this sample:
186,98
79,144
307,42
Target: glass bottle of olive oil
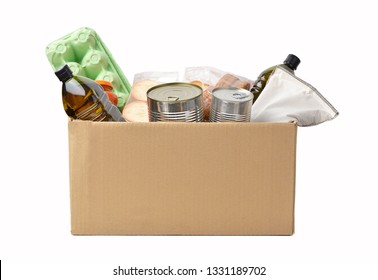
291,63
84,99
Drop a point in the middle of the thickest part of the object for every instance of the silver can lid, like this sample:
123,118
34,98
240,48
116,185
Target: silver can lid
174,92
234,95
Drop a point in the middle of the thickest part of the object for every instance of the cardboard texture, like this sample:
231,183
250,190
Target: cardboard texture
182,178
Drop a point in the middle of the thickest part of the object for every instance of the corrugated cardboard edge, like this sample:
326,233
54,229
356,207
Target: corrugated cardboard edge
295,172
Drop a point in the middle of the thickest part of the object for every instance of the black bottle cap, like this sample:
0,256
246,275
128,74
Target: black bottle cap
292,61
64,73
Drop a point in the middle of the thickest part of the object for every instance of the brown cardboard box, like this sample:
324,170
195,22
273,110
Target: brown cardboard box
182,178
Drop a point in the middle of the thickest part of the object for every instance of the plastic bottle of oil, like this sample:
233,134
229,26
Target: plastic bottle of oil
84,99
291,63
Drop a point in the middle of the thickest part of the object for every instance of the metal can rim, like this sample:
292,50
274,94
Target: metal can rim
231,89
172,84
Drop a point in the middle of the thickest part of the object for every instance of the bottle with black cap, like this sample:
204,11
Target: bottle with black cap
84,99
291,63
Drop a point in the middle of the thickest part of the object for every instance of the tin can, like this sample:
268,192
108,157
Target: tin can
231,105
177,102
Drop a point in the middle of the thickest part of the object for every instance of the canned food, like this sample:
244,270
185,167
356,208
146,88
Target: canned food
231,105
178,102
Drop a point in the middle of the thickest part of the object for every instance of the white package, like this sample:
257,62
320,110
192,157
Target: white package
287,98
162,77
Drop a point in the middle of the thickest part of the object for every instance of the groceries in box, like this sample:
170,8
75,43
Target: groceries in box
277,94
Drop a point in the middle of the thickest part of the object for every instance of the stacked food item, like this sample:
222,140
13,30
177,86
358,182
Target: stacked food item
136,109
94,88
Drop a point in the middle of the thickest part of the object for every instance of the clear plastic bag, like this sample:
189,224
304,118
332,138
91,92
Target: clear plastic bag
136,109
209,78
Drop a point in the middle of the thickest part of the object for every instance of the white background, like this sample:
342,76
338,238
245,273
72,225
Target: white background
336,197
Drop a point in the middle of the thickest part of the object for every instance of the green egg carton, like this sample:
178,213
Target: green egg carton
86,55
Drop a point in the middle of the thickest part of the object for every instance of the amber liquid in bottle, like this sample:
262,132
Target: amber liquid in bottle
291,63
84,99
80,101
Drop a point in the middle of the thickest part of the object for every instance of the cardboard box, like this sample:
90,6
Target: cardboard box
182,178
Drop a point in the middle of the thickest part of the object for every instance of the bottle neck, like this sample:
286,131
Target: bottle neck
287,67
67,79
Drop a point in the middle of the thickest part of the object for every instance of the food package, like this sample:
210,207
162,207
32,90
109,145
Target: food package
287,98
136,109
86,55
209,78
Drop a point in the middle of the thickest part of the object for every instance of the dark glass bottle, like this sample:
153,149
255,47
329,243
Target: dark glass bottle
84,99
291,63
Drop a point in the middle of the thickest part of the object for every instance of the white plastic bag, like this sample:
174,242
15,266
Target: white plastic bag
287,98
